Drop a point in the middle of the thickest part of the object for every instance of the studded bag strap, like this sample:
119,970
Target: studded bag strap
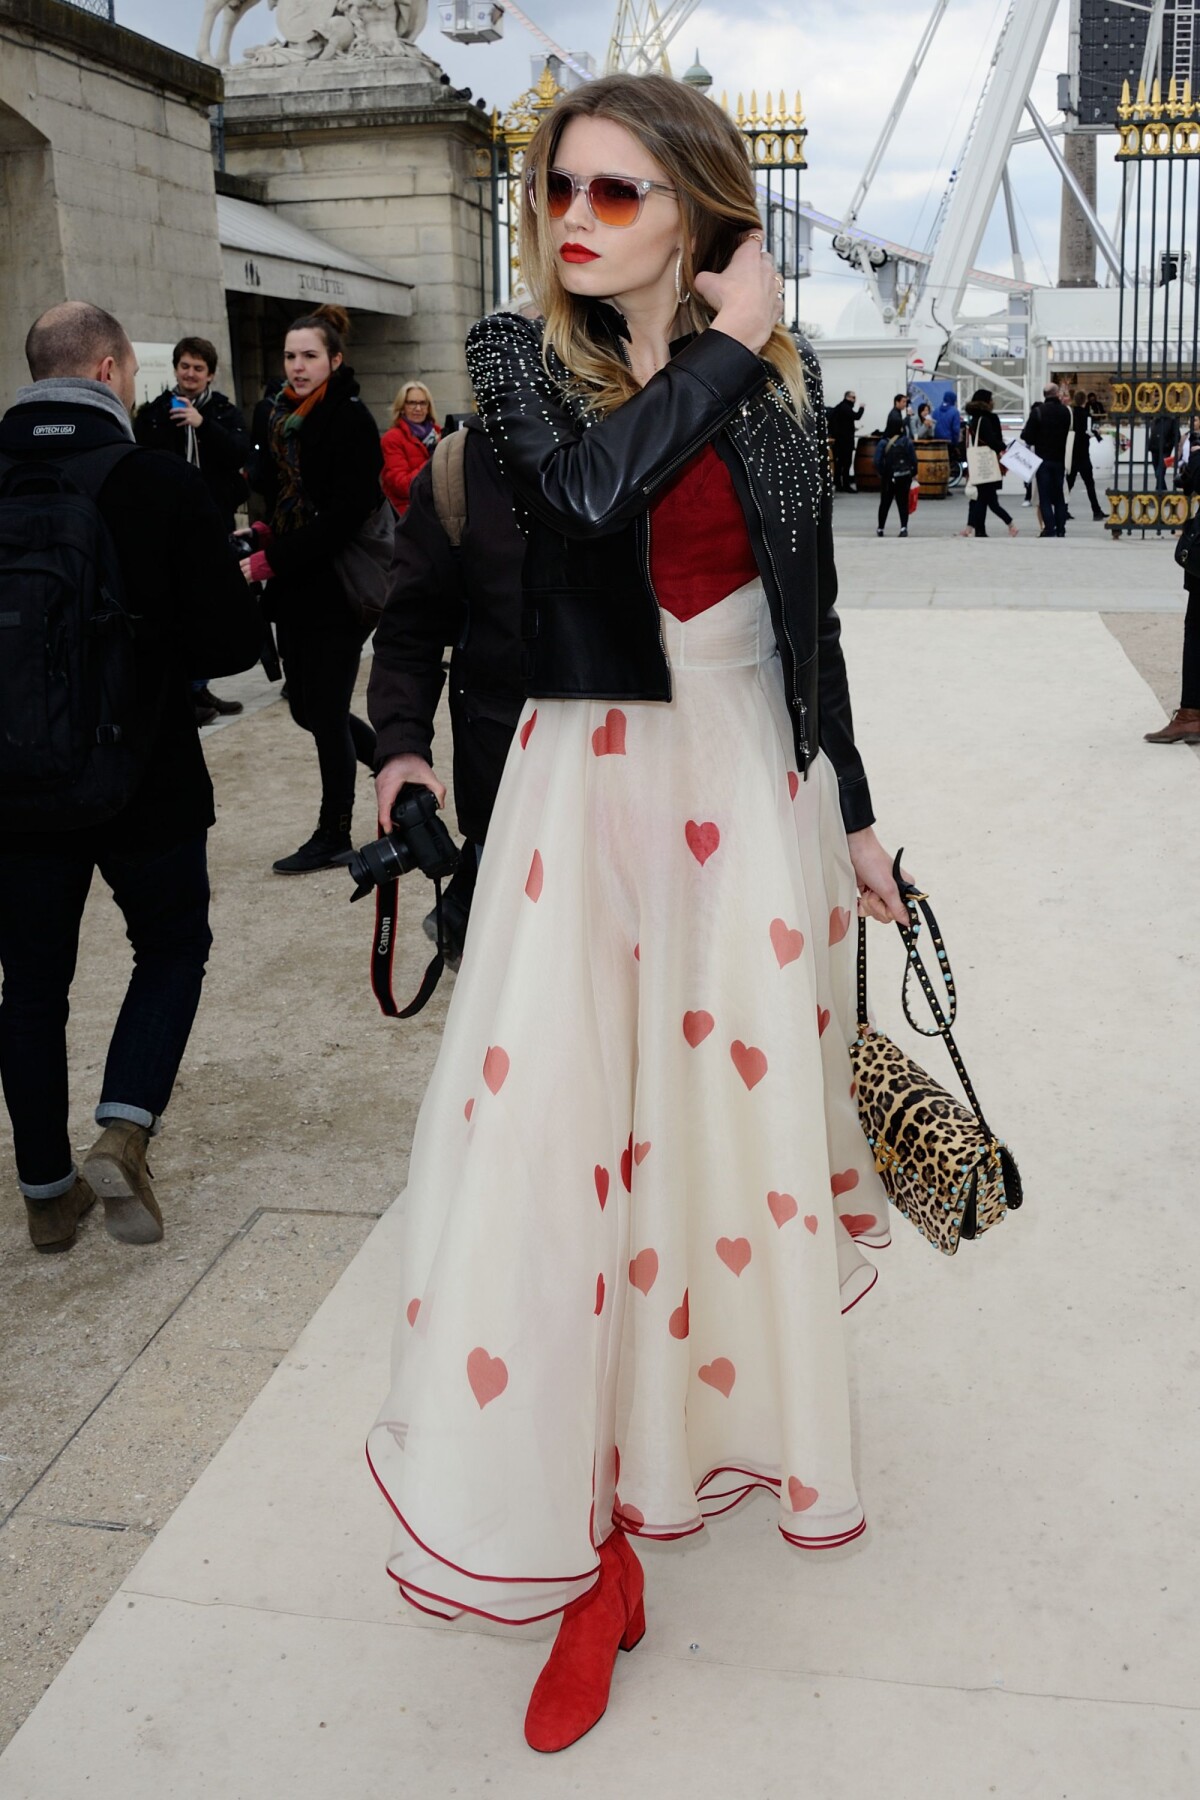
918,903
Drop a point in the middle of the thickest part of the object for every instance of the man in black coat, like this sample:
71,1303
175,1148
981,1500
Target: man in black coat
193,611
1046,431
468,596
842,420
203,426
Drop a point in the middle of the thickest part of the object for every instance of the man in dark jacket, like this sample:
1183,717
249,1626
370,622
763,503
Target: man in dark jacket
1162,440
468,596
193,611
842,420
1081,453
1046,431
196,422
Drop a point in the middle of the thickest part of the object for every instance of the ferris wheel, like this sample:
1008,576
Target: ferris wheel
641,31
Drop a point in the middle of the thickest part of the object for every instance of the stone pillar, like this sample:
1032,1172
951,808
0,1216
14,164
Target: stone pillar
375,155
1077,243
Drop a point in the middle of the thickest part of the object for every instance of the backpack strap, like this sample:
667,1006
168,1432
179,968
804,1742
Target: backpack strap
448,472
85,470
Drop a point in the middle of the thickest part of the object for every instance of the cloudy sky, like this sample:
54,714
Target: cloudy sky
847,58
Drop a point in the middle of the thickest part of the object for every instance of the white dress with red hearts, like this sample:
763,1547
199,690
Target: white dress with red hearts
639,1189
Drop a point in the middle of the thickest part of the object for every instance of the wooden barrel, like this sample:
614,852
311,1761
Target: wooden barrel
933,468
866,475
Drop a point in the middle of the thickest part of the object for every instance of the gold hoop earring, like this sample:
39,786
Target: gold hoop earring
681,298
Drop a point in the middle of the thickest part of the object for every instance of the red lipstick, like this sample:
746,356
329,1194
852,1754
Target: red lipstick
578,253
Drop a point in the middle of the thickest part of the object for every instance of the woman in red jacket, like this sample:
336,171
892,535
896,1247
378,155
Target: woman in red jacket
408,446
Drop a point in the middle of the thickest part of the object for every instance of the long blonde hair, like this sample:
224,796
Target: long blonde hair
703,155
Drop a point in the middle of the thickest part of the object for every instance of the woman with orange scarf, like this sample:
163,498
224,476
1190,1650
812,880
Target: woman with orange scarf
321,482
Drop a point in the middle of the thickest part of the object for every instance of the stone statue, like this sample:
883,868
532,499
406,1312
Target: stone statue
318,30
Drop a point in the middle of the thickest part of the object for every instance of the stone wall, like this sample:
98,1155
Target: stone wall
386,170
106,180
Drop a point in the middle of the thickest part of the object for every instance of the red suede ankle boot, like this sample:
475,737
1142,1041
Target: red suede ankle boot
571,1693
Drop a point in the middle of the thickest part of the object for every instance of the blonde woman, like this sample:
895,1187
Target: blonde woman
639,1192
410,443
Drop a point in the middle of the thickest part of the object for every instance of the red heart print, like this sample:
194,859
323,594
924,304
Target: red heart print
720,1374
468,1109
822,1020
495,1068
839,924
853,1089
609,739
599,1295
629,1515
680,1321
637,953
734,1253
640,1153
487,1375
601,1186
786,944
533,884
696,1027
858,1224
749,1062
527,728
793,783
844,1183
627,1166
702,839
810,1223
783,1207
643,1270
800,1496
411,1311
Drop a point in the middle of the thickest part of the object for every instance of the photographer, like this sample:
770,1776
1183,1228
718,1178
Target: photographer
203,426
455,580
1183,727
191,611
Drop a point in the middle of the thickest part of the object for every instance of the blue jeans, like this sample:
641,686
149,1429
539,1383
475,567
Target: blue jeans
164,896
1052,498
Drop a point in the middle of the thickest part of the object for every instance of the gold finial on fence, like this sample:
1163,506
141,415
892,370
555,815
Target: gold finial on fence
1140,102
1125,107
1156,96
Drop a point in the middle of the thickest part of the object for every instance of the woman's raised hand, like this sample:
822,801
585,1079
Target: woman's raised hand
747,296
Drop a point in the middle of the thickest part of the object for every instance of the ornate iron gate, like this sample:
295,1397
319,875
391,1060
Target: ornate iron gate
1159,316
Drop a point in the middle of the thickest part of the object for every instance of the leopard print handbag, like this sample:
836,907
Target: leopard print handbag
940,1163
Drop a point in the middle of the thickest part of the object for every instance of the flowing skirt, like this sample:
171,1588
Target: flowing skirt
639,1189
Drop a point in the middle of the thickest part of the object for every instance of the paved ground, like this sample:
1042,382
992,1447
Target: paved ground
1022,1619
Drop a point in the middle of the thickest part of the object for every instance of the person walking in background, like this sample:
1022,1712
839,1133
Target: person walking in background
925,426
410,442
143,821
1183,727
897,466
320,485
950,426
1046,431
1081,453
843,420
1162,441
456,579
195,421
985,447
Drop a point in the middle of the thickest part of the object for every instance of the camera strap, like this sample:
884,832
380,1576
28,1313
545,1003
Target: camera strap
383,949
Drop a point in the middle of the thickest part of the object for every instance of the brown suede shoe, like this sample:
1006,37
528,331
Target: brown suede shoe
53,1224
116,1167
1184,728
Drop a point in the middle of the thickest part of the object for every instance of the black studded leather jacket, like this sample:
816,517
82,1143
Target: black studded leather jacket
584,485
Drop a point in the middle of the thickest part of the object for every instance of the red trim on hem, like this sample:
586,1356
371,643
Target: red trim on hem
825,1543
863,1295
476,1611
507,1580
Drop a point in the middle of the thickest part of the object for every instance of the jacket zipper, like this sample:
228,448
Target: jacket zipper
643,526
797,703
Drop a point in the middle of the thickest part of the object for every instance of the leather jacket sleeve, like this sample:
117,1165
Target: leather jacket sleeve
424,612
836,722
586,480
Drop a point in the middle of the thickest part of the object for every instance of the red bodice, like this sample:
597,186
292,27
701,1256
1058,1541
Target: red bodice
699,546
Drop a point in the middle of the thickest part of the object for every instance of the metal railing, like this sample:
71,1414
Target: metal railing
103,9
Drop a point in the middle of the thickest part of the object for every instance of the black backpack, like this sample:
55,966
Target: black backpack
74,735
